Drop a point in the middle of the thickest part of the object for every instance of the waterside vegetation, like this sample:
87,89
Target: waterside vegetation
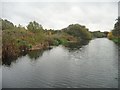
19,40
114,35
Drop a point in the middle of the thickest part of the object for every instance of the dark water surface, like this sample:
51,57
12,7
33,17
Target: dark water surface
93,66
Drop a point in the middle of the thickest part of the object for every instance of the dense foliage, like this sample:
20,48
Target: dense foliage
18,40
115,33
116,30
98,34
34,26
78,31
7,25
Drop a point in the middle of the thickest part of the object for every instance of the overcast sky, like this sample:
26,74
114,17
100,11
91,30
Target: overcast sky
57,15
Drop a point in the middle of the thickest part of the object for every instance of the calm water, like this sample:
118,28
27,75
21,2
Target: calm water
93,66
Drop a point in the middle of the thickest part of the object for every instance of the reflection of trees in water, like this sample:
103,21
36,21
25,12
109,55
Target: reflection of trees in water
32,55
9,60
74,46
38,53
35,54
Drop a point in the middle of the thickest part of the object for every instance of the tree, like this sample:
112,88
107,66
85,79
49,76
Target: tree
7,25
34,26
78,31
116,30
20,27
99,34
110,35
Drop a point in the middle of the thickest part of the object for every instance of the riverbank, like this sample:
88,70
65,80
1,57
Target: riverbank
19,41
114,35
115,39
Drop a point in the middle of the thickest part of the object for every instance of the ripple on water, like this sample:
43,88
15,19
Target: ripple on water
87,67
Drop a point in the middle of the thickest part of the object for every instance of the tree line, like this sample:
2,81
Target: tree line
17,40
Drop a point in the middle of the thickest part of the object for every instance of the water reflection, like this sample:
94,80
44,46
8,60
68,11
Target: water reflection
93,66
35,54
76,46
32,55
9,60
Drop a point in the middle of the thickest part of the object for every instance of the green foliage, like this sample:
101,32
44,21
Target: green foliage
56,42
116,30
59,41
34,26
63,41
79,31
115,34
98,34
7,25
116,40
19,39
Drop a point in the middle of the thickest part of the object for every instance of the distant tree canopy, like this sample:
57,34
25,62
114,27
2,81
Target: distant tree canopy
116,30
98,34
7,25
34,26
78,31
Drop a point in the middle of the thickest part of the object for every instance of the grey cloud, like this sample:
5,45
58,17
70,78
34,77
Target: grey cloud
57,15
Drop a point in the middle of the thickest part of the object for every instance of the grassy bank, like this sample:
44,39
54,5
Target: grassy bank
114,38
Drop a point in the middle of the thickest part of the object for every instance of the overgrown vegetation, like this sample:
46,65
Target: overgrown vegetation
18,40
79,31
115,33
